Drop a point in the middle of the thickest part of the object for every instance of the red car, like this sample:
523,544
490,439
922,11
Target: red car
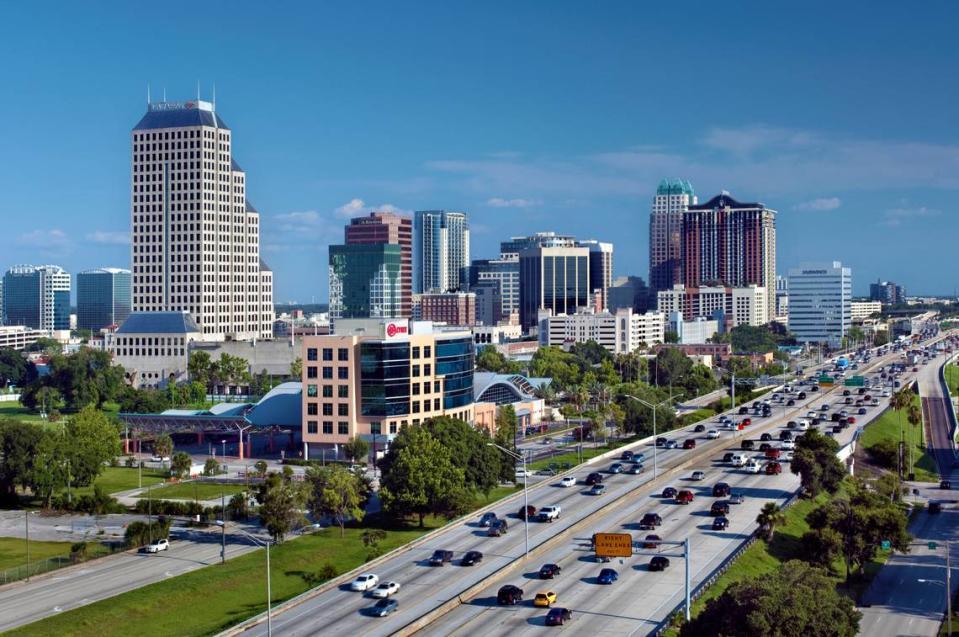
773,468
684,497
689,443
651,541
851,420
746,422
772,453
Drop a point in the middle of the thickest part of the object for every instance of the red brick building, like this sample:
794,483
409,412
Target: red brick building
390,228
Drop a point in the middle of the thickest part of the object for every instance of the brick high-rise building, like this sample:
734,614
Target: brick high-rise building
673,197
392,228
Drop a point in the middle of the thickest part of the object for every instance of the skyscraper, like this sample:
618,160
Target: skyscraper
104,298
196,237
673,197
365,280
820,302
600,268
887,292
552,278
388,227
441,249
504,274
37,296
725,242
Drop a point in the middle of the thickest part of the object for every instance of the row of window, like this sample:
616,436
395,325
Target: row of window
342,354
342,409
342,373
342,391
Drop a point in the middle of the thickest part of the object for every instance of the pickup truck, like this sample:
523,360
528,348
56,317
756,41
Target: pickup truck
549,513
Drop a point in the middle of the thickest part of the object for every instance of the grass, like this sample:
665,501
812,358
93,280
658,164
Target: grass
572,457
15,410
886,427
952,379
229,592
695,416
194,490
13,551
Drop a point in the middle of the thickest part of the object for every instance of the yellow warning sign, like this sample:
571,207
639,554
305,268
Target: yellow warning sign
613,544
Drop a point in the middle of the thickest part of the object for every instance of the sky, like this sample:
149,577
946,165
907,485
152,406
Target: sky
529,116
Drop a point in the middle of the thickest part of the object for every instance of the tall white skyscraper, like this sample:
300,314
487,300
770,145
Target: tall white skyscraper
196,238
820,302
673,197
441,249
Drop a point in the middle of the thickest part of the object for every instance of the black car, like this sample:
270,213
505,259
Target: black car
650,521
720,524
659,563
785,435
945,484
720,489
498,528
766,436
594,478
802,395
846,392
835,417
764,446
747,444
790,402
627,456
719,507
699,428
558,616
935,507
862,411
509,595
728,456
471,558
792,424
441,557
837,429
743,410
669,493
660,442
549,571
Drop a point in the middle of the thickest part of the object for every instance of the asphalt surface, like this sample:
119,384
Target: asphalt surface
340,611
935,407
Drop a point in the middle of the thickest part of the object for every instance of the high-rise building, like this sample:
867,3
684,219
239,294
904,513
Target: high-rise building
730,306
196,237
600,268
37,297
620,332
504,273
515,245
452,308
365,280
887,292
441,249
388,227
552,278
629,292
673,197
489,303
820,302
725,242
104,298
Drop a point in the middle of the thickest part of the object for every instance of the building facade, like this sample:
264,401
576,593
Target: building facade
861,310
37,297
729,306
673,197
441,249
504,273
629,292
887,292
154,347
104,298
372,378
20,337
620,333
600,268
726,242
820,303
452,308
365,281
391,228
196,237
694,332
552,278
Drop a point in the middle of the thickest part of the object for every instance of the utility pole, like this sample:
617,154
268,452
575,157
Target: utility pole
686,555
26,523
948,592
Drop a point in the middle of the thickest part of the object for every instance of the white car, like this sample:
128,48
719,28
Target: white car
385,589
712,434
365,582
568,481
157,458
752,466
698,475
786,456
523,473
787,444
157,545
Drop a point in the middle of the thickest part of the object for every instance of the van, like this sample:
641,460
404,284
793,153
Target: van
752,466
738,460
803,424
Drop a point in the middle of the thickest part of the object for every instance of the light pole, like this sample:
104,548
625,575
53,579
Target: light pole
522,457
269,583
653,408
223,442
948,597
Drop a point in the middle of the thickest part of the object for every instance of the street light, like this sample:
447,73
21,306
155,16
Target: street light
223,442
654,408
522,457
269,584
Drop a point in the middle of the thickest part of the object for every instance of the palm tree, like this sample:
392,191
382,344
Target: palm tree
914,416
900,400
768,519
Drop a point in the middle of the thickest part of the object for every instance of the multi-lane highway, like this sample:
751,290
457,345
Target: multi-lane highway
617,609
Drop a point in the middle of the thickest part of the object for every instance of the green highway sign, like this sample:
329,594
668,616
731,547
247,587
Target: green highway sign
932,546
886,545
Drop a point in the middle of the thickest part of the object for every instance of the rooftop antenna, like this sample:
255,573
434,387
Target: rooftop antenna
198,90
214,96
148,93
164,93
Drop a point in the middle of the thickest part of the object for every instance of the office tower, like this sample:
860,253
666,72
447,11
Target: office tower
504,273
104,298
552,278
196,237
673,197
600,267
441,249
489,302
365,280
730,306
887,292
388,227
820,303
629,292
515,245
37,297
725,242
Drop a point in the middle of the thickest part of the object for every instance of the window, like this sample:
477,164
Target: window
328,427
311,372
392,427
416,406
343,428
327,409
343,391
416,370
311,427
427,370
416,352
427,351
436,404
311,391
436,386
343,373
327,391
327,353
375,428
343,354
328,373
416,389
311,409
343,410
311,354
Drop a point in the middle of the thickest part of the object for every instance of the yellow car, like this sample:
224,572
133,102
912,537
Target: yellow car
544,599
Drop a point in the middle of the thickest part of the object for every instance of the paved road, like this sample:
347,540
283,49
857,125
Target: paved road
339,611
935,407
75,586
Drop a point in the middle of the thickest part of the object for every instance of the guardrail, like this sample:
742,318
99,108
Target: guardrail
948,397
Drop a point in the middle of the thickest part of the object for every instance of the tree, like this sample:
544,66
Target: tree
900,401
18,456
505,436
143,401
163,446
335,492
281,504
200,367
884,452
552,362
51,470
230,370
750,338
13,367
489,359
210,467
797,600
815,461
481,463
770,516
94,440
670,337
880,338
296,368
260,467
356,448
180,464
238,507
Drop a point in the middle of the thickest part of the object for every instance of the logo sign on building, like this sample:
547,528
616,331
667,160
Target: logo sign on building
613,544
397,329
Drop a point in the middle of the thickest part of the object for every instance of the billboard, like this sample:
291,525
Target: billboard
613,544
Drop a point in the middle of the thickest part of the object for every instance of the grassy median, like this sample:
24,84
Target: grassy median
886,427
194,491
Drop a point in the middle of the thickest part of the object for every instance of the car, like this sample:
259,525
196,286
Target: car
546,598
384,607
364,582
851,420
945,484
846,392
558,616
523,473
639,457
720,523
699,428
385,589
471,558
594,478
785,435
746,422
772,453
752,466
635,469
671,444
765,446
736,498
728,456
509,595
766,436
568,481
787,444
712,434
659,563
546,440
720,507
747,444
743,410
669,493
650,521
442,556
862,411
787,456
661,442
684,497
935,507
790,402
616,467
487,518
598,489
550,513
651,541
720,489
156,546
698,475
792,424
549,571
689,443
773,468
497,528
607,576
159,458
824,407
528,511
627,456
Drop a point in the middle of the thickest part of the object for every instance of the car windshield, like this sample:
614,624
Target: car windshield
383,603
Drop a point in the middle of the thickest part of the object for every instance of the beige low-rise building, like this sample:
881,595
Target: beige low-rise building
154,347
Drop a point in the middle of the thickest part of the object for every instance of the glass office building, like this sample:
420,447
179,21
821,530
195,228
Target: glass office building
554,279
365,281
104,298
37,297
820,303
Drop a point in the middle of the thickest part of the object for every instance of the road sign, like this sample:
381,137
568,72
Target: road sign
855,381
613,544
886,545
932,546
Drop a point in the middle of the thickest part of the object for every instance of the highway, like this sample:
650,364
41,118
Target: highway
425,588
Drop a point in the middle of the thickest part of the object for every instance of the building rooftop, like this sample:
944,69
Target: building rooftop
675,187
180,115
725,200
159,323
106,271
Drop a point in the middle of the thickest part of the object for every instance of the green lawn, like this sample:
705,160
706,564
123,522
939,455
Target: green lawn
13,551
695,416
572,457
952,379
887,427
230,592
18,412
194,490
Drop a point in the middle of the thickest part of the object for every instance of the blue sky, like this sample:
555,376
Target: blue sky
527,115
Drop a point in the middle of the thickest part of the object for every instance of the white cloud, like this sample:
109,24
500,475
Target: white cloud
109,237
822,203
896,216
351,208
499,202
53,238
356,207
